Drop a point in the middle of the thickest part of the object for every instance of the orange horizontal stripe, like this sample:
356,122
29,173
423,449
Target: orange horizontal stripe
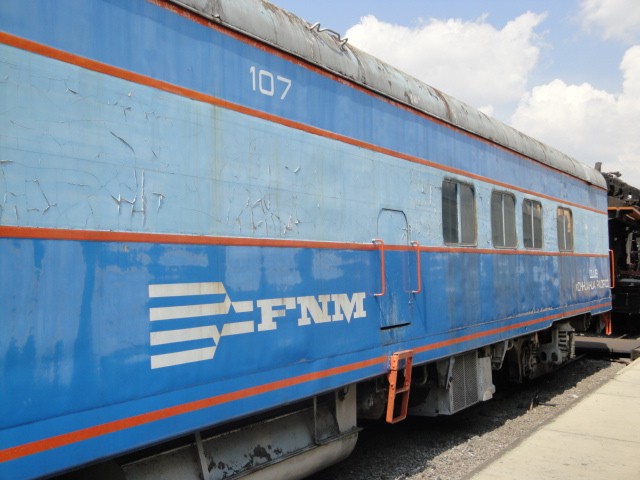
501,251
494,331
32,448
134,237
127,75
309,65
69,438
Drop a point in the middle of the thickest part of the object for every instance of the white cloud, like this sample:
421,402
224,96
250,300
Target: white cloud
483,65
589,124
616,19
473,61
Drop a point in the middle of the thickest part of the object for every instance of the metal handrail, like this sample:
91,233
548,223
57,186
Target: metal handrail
379,242
417,245
612,261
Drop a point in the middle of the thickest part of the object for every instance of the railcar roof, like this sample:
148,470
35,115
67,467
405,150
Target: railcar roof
324,48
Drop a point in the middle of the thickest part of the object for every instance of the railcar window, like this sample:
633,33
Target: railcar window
532,223
503,220
458,213
565,229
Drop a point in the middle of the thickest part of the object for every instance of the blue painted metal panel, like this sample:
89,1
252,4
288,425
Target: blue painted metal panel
86,341
126,34
84,321
154,168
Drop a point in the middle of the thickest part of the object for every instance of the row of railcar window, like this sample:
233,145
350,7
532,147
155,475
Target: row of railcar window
459,226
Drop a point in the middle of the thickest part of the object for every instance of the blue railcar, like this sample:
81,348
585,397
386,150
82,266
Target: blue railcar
228,229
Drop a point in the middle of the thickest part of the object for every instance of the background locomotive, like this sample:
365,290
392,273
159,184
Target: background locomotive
624,236
226,234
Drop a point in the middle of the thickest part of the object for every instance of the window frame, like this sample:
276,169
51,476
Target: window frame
535,245
462,228
567,229
507,223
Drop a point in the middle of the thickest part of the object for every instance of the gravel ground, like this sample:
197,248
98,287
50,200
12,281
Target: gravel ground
450,448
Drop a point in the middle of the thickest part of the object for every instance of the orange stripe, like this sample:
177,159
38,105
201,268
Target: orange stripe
20,232
107,236
493,331
69,438
499,251
281,53
38,446
134,237
127,75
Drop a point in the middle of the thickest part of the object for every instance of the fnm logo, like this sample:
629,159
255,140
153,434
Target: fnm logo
310,310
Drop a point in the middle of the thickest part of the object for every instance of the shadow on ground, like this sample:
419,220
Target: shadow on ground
388,451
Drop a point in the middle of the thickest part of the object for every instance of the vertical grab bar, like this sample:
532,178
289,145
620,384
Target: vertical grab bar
417,245
379,242
612,264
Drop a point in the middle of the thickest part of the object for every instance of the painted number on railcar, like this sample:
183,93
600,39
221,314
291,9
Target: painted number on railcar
173,320
266,83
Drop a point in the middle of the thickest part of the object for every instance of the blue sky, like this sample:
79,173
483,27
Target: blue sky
564,71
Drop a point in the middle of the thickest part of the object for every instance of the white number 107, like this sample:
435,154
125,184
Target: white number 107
265,82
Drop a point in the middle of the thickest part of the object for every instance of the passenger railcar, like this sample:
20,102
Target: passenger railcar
226,229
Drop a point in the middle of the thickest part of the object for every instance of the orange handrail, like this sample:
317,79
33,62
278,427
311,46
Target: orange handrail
608,324
612,262
382,267
417,245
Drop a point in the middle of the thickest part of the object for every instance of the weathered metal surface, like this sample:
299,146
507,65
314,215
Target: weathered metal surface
186,218
279,28
290,446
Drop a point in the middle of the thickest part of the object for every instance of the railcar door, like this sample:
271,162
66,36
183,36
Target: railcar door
399,269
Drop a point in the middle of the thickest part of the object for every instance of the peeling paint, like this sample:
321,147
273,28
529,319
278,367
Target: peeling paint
139,201
119,201
263,218
86,222
49,204
161,197
142,196
123,141
125,110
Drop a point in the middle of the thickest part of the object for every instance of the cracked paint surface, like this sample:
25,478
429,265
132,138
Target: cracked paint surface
102,153
126,157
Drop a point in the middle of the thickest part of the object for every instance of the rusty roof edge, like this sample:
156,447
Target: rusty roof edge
263,21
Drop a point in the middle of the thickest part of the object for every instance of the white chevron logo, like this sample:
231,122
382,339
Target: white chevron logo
312,310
